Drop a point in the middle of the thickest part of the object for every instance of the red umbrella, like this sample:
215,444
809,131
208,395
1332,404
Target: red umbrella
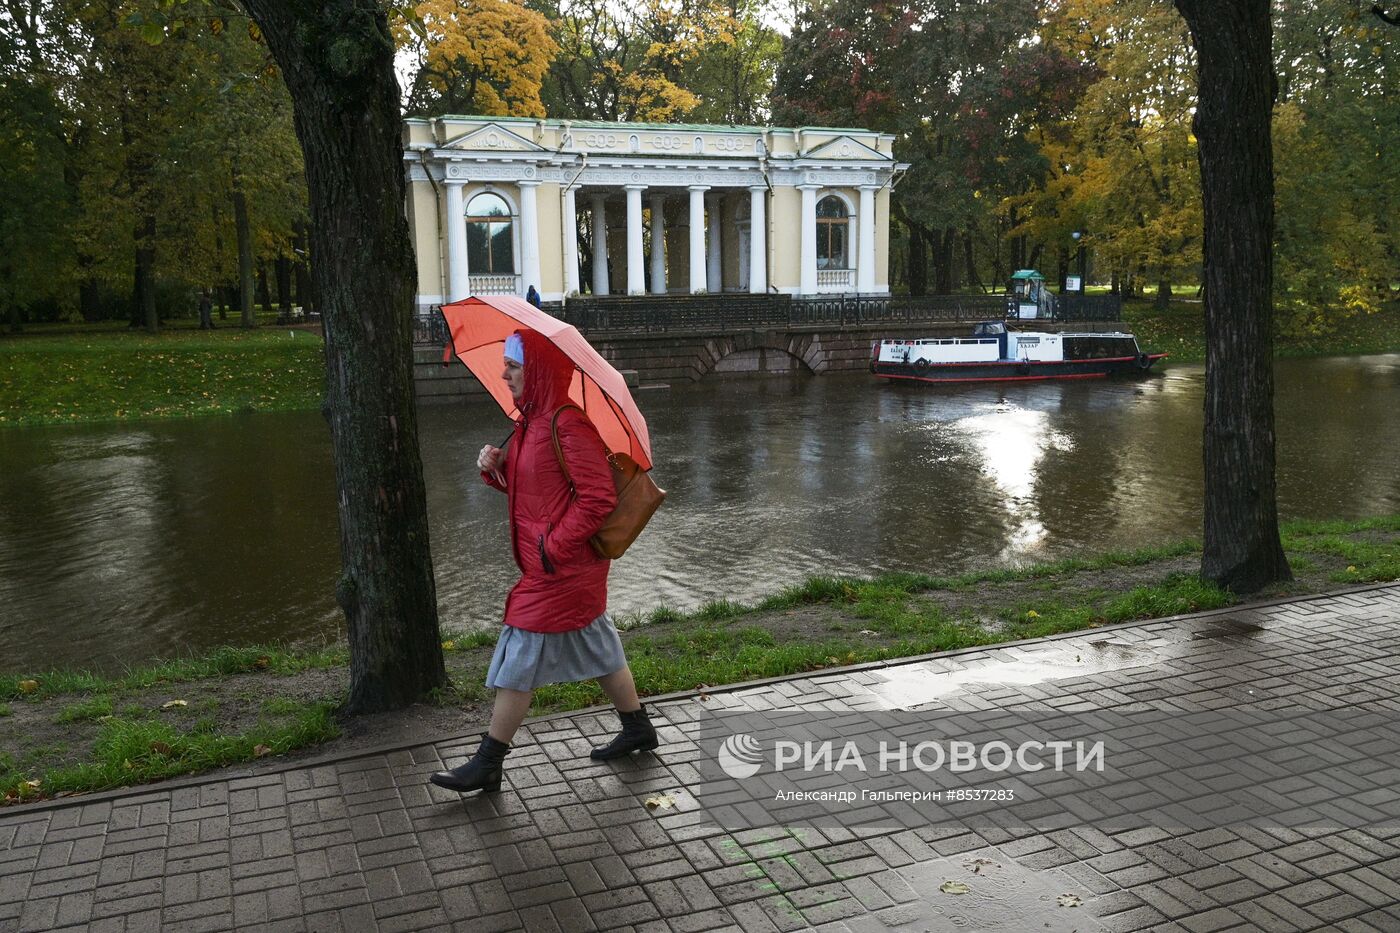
479,329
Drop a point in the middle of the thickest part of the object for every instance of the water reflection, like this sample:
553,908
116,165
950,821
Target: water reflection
122,543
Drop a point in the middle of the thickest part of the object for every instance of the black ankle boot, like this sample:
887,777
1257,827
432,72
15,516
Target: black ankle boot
637,734
481,772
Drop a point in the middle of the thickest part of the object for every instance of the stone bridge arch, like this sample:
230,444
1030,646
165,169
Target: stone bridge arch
761,353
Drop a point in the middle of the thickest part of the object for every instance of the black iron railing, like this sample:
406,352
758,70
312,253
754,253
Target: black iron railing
1072,306
723,313
430,328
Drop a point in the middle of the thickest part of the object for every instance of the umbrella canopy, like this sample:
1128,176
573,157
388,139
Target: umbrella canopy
479,328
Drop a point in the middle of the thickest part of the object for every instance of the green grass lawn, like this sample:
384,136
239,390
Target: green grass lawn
1180,331
64,374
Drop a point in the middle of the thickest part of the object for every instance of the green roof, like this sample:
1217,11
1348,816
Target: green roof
605,124
1026,274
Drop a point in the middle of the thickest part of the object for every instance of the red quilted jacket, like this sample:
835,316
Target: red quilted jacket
563,583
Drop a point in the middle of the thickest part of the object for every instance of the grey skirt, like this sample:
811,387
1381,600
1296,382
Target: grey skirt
526,660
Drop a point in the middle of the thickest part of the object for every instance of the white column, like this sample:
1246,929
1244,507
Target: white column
600,244
808,281
529,237
758,240
570,221
459,284
865,240
698,277
658,244
714,274
636,282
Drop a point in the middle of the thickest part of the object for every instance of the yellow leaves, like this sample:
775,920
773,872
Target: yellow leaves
28,686
261,750
1032,614
494,51
174,704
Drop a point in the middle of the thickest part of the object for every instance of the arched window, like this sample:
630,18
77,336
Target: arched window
490,239
832,225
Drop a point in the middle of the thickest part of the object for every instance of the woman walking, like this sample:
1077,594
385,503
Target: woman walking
557,629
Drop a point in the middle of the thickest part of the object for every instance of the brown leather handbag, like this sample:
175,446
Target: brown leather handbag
638,498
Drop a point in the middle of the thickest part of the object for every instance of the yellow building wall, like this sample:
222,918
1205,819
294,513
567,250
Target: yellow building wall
424,221
550,208
785,220
883,222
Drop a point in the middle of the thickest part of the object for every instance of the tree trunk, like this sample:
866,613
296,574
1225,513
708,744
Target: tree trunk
1236,81
969,265
264,292
918,261
284,289
89,298
337,58
943,262
143,310
206,302
224,292
1164,295
305,294
245,253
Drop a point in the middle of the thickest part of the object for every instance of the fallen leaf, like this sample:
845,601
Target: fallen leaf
172,704
127,764
261,750
1068,900
32,785
160,748
866,631
660,802
449,645
28,686
954,887
1032,614
262,662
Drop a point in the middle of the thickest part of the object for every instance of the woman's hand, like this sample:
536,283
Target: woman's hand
491,459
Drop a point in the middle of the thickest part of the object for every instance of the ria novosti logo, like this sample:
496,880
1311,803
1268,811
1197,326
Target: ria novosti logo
740,756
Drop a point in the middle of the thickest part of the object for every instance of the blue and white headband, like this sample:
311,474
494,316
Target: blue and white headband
515,350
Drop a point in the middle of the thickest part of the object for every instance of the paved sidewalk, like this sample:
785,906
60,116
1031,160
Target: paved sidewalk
365,843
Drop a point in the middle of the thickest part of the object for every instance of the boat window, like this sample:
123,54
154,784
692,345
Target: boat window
832,226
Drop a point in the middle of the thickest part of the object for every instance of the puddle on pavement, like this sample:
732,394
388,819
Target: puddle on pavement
914,684
911,685
999,895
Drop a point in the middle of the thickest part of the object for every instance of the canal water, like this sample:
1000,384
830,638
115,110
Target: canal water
122,543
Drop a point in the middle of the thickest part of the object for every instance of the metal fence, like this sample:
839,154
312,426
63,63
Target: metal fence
723,313
1072,306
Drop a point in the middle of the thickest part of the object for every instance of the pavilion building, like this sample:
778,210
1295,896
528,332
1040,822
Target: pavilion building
578,208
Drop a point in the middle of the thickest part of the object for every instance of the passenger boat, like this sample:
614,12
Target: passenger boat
994,353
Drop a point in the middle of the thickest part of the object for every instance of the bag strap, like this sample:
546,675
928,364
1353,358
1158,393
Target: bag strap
559,451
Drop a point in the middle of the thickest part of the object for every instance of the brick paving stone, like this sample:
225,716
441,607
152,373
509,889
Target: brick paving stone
365,842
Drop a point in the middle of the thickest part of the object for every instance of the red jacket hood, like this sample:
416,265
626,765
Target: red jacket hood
548,373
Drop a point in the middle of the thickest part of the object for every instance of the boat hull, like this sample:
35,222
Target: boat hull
1018,371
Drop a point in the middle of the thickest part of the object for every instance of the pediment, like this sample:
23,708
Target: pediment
844,147
492,138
